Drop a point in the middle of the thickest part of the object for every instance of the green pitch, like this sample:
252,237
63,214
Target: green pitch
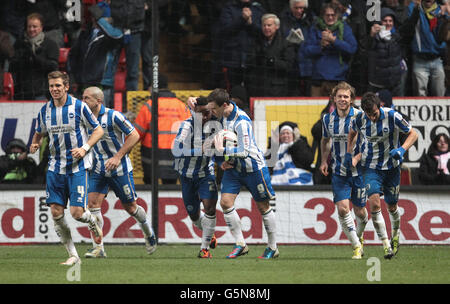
178,264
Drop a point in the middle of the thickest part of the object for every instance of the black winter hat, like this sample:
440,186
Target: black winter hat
16,142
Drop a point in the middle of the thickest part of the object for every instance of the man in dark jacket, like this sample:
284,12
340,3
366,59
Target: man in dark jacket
93,58
129,16
270,61
385,55
16,166
240,24
34,57
298,17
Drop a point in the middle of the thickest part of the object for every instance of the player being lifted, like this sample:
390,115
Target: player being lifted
196,169
381,161
66,121
347,183
112,168
245,167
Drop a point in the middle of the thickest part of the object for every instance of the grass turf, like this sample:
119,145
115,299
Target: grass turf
178,264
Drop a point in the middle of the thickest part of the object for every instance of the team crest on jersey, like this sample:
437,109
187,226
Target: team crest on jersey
71,115
103,125
385,130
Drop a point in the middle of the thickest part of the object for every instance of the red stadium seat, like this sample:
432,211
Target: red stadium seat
120,87
8,87
63,53
118,101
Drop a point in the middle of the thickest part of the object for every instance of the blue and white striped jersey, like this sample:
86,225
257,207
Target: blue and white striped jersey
67,128
337,128
187,150
115,127
246,155
380,137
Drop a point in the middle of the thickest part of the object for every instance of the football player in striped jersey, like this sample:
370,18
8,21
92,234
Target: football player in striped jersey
381,159
112,168
66,120
244,165
195,165
347,183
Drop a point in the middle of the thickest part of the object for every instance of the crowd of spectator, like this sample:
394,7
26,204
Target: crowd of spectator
258,48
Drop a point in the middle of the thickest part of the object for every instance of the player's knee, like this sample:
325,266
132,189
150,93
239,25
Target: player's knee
130,208
343,210
76,212
210,207
263,207
56,210
392,207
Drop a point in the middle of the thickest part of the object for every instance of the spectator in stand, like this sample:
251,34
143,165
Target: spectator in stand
294,156
94,56
330,45
422,27
435,164
399,8
129,16
270,60
296,20
171,112
353,13
16,167
35,56
51,11
444,35
385,55
240,25
13,18
6,52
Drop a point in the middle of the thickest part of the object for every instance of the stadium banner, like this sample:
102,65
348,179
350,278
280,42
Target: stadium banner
18,120
303,217
428,116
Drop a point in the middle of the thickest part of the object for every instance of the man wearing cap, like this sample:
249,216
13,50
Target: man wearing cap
15,166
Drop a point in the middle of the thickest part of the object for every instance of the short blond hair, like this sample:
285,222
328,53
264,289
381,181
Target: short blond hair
344,86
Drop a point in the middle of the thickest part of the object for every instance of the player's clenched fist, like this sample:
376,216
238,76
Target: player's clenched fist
34,148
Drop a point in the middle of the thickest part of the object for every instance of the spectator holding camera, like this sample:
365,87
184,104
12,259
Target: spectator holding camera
270,61
435,164
386,64
15,166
